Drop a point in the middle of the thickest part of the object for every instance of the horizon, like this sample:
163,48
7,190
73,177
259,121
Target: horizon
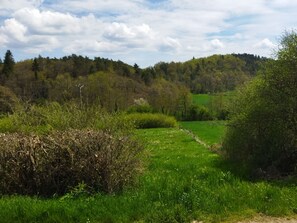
144,32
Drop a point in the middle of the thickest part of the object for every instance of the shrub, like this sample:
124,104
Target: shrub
148,120
140,106
262,133
199,113
53,164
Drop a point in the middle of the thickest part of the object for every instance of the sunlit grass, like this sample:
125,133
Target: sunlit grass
208,131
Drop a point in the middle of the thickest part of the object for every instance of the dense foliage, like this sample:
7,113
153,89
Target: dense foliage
262,135
115,86
148,120
216,73
53,116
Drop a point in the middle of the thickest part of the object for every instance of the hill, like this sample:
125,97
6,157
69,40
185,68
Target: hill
212,74
116,86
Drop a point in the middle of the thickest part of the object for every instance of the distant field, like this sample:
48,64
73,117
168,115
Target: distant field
208,131
206,99
201,99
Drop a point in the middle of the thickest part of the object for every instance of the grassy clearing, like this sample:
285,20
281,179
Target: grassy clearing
201,99
207,99
208,131
183,182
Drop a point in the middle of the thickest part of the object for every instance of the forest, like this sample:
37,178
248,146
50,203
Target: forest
116,86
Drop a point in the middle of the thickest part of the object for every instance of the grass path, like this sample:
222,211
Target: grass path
195,137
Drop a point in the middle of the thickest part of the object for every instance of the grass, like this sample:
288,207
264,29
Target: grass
208,131
183,182
201,99
207,100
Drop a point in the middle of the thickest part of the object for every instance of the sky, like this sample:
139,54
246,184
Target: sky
143,31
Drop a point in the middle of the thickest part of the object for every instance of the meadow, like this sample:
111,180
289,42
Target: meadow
182,182
207,99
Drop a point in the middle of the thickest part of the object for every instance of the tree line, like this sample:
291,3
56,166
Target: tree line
115,85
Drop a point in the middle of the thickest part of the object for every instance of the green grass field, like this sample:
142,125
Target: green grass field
208,131
182,182
206,99
201,99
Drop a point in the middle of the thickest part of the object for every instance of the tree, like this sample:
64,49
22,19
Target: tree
35,67
8,101
137,70
262,133
8,65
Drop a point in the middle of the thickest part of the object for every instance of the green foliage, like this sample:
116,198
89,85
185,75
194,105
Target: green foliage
51,165
200,113
262,132
149,120
140,106
8,101
53,116
217,73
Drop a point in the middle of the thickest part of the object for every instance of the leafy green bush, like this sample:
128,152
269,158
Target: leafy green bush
148,120
262,133
140,106
54,164
199,113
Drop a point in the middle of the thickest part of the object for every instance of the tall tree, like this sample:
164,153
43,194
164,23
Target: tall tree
35,68
8,65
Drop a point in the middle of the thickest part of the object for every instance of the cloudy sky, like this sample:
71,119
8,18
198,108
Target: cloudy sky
143,31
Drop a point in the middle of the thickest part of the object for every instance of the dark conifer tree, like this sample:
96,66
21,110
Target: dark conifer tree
8,66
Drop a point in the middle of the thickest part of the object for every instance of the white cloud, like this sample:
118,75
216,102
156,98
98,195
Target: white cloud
265,43
9,6
14,31
216,44
104,6
169,44
47,22
132,27
90,46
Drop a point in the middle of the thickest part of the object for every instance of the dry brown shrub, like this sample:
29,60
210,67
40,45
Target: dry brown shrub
52,165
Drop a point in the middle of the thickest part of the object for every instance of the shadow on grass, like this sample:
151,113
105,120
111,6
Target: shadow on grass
245,174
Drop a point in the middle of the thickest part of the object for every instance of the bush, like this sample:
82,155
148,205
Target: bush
199,113
262,133
52,165
148,120
140,106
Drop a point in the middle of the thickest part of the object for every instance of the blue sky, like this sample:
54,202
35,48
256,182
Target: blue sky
143,31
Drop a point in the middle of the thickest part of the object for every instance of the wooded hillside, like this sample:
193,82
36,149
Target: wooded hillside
115,85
